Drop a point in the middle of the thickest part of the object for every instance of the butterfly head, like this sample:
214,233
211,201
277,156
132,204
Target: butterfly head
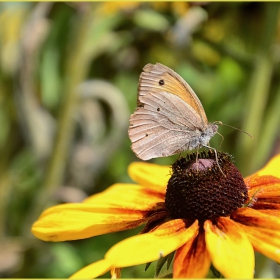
208,133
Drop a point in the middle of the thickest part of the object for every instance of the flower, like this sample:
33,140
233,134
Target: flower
224,236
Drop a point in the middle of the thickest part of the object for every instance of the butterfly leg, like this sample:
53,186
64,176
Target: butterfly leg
222,138
196,159
216,158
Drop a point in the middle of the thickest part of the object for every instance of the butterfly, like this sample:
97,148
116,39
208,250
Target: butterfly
169,117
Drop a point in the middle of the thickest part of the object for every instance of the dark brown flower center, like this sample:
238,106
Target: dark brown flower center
199,190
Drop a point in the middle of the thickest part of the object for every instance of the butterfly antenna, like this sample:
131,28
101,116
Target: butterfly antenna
220,123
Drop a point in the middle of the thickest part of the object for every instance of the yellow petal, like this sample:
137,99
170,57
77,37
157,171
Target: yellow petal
272,167
231,252
271,212
268,208
263,186
149,174
151,246
252,217
127,196
265,241
192,260
73,221
93,270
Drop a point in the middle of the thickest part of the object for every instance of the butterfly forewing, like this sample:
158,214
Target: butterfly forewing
172,83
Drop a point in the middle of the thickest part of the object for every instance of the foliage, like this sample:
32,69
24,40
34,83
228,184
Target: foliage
68,83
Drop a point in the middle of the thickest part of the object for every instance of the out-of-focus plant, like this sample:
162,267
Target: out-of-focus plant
68,81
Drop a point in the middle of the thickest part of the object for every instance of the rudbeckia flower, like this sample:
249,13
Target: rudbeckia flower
204,216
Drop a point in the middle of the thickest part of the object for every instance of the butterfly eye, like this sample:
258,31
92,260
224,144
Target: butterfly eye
158,109
161,82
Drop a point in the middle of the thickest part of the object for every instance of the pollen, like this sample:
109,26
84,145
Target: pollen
199,190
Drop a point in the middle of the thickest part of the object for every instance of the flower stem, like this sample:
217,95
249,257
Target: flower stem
258,93
76,71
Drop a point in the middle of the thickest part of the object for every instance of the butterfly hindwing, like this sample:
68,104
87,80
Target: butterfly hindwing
158,128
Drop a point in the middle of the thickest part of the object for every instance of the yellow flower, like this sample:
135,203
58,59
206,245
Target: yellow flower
113,7
222,232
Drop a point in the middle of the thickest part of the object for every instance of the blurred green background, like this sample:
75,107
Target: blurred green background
68,84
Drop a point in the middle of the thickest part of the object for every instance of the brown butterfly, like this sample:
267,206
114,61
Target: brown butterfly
169,117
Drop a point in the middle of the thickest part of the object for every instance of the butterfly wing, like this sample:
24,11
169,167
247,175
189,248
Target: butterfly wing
169,116
161,128
173,84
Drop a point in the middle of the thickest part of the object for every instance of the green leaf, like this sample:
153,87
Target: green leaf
151,20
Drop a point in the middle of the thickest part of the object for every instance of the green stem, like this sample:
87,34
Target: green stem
258,93
269,133
255,110
75,73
